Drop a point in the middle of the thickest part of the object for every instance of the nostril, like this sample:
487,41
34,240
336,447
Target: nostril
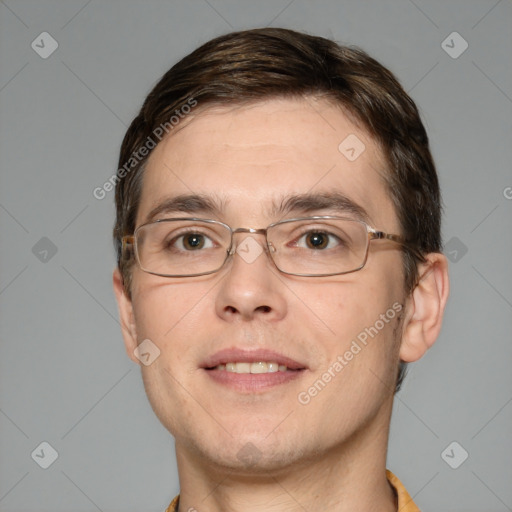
265,309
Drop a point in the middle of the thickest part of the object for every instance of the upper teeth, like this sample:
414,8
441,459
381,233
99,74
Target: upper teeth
257,367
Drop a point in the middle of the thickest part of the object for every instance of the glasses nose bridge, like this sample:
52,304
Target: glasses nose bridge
252,231
260,231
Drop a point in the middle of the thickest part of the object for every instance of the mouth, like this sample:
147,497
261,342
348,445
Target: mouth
252,370
251,367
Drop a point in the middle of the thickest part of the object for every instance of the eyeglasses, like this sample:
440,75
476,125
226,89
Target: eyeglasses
306,246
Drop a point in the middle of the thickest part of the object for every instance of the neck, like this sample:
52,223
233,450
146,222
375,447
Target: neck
349,476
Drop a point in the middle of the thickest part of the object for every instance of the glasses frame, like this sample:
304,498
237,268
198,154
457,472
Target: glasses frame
372,233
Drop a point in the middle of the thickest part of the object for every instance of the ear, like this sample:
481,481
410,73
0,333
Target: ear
126,316
425,308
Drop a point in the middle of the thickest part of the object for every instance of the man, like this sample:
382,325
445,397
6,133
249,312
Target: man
278,243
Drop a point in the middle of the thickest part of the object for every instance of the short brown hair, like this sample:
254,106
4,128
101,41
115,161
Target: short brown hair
259,64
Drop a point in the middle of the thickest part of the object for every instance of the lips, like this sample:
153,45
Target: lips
233,356
252,371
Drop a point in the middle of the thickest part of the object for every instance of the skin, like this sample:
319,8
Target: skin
329,454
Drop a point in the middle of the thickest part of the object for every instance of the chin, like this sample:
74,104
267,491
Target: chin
250,461
249,455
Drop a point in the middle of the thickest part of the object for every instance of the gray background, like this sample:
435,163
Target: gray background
64,376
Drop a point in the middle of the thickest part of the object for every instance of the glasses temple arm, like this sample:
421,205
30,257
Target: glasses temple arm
379,235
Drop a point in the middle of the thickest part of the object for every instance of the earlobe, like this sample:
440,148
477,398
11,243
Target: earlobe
425,308
126,316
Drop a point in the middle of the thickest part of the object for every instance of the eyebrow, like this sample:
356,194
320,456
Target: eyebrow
297,204
187,203
312,202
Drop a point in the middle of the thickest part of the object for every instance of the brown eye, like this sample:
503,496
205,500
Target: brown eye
317,240
190,241
193,241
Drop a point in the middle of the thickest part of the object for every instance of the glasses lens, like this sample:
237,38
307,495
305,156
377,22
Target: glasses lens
182,247
319,246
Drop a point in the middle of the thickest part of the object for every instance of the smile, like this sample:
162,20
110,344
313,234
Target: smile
255,367
251,371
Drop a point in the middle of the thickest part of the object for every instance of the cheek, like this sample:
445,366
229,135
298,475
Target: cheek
348,306
174,322
360,315
167,317
162,307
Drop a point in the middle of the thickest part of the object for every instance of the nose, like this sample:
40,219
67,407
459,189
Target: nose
251,286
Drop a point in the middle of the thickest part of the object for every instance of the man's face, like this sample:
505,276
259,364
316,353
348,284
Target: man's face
247,159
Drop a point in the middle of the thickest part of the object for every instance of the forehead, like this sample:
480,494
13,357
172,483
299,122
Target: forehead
249,158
